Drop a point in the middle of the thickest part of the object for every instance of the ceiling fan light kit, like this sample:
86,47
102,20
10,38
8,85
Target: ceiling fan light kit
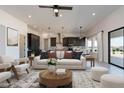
56,9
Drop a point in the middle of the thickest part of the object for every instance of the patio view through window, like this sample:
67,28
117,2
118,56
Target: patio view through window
117,48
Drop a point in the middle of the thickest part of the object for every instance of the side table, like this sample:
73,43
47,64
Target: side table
91,59
31,59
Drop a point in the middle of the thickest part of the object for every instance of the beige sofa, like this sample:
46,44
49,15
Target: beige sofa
61,63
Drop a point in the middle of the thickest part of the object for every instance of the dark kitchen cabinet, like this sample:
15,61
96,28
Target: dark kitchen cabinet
65,41
53,41
73,41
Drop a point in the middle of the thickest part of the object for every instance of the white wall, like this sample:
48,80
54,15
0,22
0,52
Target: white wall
2,40
33,31
9,21
113,21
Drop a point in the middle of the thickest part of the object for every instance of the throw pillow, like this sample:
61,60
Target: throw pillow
52,54
68,55
76,55
44,55
60,54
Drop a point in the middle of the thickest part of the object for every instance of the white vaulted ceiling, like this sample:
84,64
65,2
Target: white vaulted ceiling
81,15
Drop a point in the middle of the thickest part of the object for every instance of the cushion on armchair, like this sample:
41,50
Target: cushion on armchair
5,75
22,67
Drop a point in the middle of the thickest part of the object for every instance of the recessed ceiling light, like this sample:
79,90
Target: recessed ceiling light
29,16
93,14
60,15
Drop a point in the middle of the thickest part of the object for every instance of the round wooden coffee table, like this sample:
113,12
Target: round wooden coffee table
49,79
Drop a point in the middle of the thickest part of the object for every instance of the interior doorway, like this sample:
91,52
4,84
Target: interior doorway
22,45
45,44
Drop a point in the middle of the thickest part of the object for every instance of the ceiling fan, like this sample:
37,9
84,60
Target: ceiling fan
56,8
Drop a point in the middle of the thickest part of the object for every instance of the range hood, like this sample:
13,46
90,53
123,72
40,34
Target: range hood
59,39
59,45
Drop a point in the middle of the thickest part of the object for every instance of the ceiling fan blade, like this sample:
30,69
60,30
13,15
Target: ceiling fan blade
65,8
56,6
43,6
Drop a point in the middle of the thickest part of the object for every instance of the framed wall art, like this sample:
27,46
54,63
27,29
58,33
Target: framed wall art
12,37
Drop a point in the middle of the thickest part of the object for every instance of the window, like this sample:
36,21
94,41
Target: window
92,44
116,47
95,45
89,43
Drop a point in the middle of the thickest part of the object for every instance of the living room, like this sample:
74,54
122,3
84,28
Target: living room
61,46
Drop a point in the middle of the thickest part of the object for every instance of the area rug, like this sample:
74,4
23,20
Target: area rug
80,79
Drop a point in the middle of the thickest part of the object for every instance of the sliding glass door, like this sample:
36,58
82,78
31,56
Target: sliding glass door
116,47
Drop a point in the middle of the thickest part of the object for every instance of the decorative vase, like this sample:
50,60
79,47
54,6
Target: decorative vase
51,68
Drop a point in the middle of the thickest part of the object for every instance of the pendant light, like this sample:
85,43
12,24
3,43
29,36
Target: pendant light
49,32
80,32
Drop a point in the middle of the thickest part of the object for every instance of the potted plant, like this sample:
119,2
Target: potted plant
52,64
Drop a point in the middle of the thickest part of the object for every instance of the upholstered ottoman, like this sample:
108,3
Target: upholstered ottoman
4,76
97,72
112,81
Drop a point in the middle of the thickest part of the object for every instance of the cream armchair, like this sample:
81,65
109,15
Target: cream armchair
16,67
22,65
5,76
5,72
19,66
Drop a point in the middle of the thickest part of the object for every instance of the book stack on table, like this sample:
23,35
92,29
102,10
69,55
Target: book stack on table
61,71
